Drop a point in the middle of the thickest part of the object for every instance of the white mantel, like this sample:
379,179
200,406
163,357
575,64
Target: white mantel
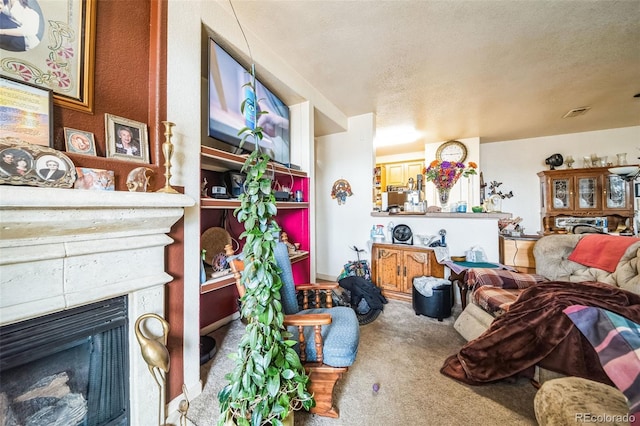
62,248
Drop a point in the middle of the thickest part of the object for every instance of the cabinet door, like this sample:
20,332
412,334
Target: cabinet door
395,175
388,269
415,265
588,190
617,193
561,194
414,169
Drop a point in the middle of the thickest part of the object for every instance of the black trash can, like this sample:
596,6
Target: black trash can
438,305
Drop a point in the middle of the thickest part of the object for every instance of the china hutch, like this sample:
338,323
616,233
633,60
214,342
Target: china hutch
592,196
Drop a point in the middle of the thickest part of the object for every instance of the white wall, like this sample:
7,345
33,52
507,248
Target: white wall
515,164
349,156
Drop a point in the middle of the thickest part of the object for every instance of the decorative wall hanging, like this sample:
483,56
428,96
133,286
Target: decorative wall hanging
58,51
341,190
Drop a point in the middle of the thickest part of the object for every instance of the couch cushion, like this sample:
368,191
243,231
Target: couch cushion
578,401
495,300
478,277
340,338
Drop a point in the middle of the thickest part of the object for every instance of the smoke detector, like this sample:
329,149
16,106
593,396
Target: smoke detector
576,112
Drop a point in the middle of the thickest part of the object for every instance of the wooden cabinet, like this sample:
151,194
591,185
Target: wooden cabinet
593,192
397,174
518,252
394,266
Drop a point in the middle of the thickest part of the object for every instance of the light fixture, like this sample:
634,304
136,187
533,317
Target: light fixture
628,173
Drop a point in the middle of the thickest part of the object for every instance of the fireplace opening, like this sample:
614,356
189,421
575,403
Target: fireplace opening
67,368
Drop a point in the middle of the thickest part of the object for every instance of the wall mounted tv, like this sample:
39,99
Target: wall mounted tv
226,93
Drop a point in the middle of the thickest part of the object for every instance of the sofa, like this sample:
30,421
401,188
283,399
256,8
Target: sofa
494,291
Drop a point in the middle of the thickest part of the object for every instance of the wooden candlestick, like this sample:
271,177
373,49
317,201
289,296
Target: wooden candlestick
167,150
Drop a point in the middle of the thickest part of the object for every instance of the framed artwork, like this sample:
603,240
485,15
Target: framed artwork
26,112
56,50
95,179
22,163
79,142
126,139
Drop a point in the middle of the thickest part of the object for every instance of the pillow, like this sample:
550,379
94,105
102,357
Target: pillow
616,339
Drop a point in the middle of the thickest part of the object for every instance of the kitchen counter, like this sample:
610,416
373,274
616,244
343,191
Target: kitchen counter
445,215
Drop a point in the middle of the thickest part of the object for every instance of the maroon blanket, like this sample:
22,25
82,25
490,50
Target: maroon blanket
536,331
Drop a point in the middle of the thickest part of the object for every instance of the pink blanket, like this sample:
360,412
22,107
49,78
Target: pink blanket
601,251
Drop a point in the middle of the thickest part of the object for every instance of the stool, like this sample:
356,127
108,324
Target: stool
438,305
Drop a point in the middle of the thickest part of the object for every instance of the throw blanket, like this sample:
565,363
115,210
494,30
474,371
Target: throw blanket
601,251
536,331
617,342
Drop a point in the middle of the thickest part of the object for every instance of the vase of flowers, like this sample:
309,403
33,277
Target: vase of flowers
445,174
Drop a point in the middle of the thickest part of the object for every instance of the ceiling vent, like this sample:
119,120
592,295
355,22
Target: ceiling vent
576,112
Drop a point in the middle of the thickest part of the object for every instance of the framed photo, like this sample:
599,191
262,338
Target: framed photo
126,139
95,179
57,51
79,142
26,112
22,163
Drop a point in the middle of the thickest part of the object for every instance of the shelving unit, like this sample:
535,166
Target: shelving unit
218,296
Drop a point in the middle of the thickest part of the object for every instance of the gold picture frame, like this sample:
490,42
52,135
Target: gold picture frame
61,56
22,163
126,139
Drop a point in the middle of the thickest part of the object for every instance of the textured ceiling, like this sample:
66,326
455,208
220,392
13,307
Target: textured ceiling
500,70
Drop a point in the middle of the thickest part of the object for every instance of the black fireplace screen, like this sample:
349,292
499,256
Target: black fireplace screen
68,368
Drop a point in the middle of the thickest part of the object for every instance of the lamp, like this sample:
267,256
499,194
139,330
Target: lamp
628,173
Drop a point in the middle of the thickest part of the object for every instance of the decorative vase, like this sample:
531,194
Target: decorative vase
443,197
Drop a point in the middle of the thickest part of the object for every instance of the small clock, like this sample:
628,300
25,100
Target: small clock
453,151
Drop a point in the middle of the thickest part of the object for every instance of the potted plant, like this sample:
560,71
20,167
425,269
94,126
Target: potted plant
268,381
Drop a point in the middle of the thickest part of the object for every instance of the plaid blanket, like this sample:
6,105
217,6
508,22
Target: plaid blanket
616,340
478,277
495,300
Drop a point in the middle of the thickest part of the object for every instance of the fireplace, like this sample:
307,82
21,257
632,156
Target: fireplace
67,368
62,250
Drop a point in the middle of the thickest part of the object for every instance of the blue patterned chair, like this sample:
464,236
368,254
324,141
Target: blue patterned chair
327,337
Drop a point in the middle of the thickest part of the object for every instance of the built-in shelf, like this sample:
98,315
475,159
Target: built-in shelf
232,203
228,279
220,161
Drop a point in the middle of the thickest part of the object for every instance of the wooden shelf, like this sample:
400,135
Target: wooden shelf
219,161
217,283
232,203
228,279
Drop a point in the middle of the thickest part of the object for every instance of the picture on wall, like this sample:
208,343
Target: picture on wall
51,44
126,139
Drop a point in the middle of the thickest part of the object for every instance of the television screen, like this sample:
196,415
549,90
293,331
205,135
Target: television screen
226,93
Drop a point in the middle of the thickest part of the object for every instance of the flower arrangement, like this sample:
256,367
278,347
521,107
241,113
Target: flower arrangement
445,174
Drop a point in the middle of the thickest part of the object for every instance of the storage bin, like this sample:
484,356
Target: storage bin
438,305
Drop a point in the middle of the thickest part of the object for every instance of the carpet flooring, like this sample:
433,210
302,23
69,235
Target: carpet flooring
402,353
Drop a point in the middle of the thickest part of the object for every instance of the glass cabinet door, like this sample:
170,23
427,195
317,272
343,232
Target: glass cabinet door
587,195
560,193
616,192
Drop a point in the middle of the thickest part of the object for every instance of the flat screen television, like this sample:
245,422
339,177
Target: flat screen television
226,92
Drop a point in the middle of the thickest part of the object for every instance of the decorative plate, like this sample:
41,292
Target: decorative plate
213,241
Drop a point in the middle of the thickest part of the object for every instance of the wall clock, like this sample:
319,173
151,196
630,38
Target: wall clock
454,151
402,235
